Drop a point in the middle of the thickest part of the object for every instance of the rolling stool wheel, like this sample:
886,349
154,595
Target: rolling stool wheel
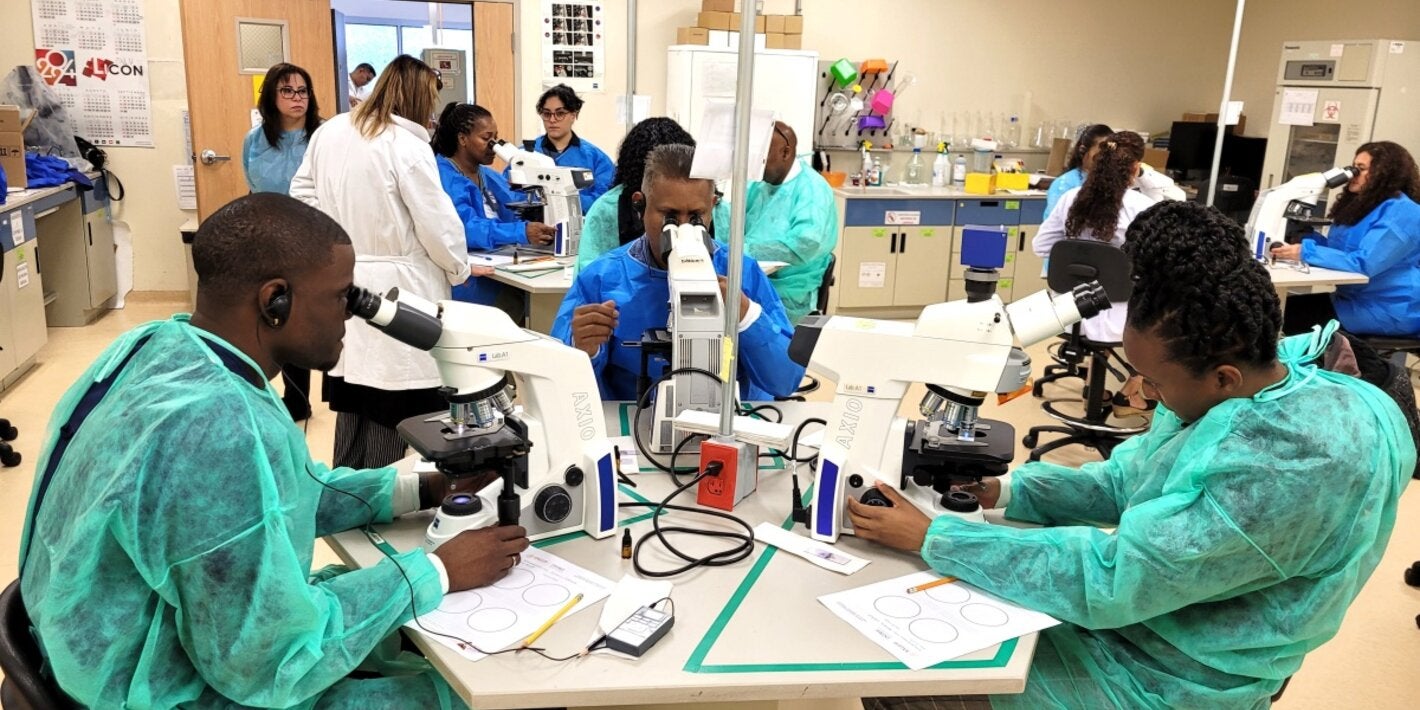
7,431
1029,441
1412,575
9,457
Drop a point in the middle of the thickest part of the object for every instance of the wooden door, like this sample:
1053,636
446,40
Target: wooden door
219,92
494,73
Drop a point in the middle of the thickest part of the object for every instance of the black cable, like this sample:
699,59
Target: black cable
715,559
754,411
792,454
645,400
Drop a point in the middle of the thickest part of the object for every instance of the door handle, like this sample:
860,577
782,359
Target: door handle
1021,246
893,249
902,248
210,157
90,228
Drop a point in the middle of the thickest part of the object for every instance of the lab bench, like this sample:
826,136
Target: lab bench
59,268
900,248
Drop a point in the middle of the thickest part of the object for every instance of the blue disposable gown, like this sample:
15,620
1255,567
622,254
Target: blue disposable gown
1240,540
270,169
582,154
171,560
794,222
1385,246
601,228
1068,180
641,295
488,223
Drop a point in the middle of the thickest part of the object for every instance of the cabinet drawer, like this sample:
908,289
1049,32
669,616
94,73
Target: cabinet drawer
988,212
869,212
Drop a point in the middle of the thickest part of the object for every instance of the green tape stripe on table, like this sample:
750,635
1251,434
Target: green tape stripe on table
696,662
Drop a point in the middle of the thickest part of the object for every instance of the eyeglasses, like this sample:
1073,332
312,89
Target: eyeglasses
288,92
557,115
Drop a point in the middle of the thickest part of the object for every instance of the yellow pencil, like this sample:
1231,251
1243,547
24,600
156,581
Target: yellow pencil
560,612
929,585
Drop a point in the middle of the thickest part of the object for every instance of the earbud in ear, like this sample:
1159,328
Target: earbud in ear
278,308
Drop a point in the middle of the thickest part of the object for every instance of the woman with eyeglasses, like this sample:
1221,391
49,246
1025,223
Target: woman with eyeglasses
372,171
289,116
1375,231
558,107
270,156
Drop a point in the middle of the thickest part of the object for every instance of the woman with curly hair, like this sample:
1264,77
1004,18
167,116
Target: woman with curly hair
1225,566
1082,159
613,220
1375,231
1102,209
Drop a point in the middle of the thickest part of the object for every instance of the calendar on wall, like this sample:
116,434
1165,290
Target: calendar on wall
94,55
573,44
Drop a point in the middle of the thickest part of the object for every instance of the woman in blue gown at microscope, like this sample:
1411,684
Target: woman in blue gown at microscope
464,143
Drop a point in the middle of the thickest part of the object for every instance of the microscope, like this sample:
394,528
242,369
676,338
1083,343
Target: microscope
963,350
1282,214
693,335
551,192
556,472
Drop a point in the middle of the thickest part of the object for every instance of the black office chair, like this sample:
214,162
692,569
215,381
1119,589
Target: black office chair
811,383
24,687
1074,262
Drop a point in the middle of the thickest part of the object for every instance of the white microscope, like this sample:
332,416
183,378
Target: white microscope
964,350
555,465
552,193
1283,213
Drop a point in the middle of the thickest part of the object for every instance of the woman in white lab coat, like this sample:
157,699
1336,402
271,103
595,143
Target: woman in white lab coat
1102,208
372,171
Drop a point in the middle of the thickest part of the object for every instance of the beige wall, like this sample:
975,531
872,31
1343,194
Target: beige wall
149,213
1269,23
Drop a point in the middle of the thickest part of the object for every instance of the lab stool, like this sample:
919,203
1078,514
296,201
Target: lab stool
1093,428
1389,347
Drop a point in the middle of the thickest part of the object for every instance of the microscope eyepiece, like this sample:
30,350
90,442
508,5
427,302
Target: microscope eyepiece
359,302
1336,177
1090,299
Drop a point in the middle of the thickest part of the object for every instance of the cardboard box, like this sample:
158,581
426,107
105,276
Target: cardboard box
793,41
774,40
10,119
12,158
714,20
794,24
759,25
720,39
774,24
1059,154
692,35
717,5
1156,158
1200,117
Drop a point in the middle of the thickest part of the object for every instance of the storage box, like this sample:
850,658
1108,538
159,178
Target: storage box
980,183
717,5
692,35
759,24
714,20
794,24
774,40
793,41
1199,117
1059,154
12,158
774,24
1013,181
720,38
10,119
1156,158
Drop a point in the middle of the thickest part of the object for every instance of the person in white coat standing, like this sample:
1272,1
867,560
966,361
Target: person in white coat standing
373,172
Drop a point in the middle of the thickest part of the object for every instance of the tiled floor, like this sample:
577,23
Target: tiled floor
1373,663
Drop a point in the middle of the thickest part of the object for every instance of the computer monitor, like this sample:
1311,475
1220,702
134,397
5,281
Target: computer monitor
1191,146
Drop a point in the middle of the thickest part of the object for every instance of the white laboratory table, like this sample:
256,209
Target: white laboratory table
542,291
750,632
1287,279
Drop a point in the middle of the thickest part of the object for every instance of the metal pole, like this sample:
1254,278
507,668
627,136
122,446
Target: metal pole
630,64
1223,109
744,89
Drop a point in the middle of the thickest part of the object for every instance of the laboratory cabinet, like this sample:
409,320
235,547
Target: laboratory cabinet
898,254
22,288
79,247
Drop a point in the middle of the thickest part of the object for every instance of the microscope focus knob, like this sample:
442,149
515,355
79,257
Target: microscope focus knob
960,502
459,504
552,504
574,476
875,497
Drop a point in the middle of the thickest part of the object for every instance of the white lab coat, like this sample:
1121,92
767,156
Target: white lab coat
386,193
1109,325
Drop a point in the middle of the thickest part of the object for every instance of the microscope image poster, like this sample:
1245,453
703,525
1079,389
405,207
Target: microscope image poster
573,45
93,54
